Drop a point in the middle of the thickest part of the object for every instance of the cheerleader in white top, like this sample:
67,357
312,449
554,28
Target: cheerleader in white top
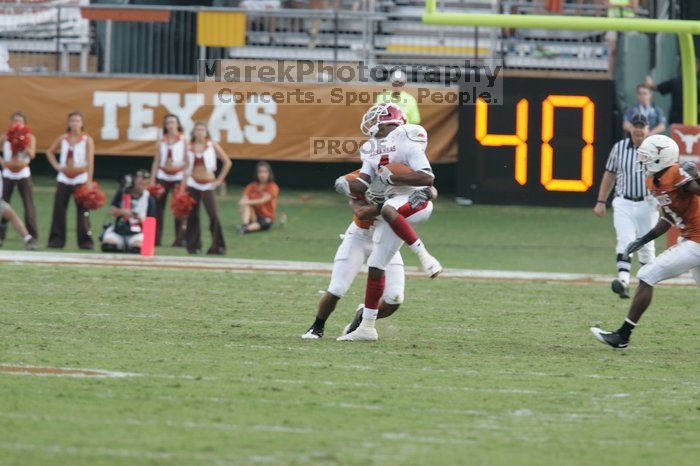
201,182
168,169
75,167
18,150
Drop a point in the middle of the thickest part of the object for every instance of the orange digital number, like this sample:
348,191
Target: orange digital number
517,140
587,131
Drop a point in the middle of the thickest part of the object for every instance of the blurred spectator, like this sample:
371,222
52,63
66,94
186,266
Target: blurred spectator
259,201
553,6
5,60
618,9
258,21
596,9
295,24
401,98
674,86
654,115
131,204
315,26
622,8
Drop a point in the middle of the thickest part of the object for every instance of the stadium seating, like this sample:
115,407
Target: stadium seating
34,36
42,31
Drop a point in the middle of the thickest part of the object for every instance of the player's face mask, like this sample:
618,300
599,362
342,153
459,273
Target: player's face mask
381,114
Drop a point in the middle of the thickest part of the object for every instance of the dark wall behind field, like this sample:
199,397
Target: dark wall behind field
288,174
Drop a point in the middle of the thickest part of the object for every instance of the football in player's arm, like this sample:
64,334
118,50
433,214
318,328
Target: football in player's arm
394,164
355,248
678,191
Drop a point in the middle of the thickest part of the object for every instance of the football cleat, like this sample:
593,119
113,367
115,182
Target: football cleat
361,334
312,334
621,288
356,321
30,244
612,339
430,265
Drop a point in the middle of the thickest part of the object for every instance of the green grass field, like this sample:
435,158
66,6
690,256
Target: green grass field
477,237
467,372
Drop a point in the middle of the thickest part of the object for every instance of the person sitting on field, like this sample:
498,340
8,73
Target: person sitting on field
131,204
259,201
8,213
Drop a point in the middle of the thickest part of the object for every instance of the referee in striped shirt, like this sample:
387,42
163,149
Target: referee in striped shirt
634,210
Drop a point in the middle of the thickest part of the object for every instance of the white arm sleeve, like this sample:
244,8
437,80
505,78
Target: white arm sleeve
417,160
367,169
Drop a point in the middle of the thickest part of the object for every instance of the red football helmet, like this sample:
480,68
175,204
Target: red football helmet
381,114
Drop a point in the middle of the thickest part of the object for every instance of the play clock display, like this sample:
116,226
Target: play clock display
545,144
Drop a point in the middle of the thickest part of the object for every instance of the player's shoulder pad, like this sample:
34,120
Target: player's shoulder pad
680,176
415,133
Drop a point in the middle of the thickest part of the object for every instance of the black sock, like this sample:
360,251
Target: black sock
626,330
319,324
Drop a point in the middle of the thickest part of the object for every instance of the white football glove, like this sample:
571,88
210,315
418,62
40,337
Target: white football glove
419,197
342,186
374,198
384,175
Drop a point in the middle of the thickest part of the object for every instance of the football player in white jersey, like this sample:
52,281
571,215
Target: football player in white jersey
354,250
407,201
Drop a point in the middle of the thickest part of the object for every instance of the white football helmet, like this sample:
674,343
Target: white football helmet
381,114
656,153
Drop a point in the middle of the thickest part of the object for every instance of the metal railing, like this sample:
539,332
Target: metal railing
56,37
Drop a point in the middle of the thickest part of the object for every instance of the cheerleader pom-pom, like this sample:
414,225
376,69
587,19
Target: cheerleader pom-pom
90,198
18,137
181,204
157,191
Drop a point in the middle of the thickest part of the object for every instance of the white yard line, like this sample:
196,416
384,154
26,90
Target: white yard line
43,371
255,265
157,456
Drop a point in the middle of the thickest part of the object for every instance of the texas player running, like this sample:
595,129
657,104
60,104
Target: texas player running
677,192
392,141
354,250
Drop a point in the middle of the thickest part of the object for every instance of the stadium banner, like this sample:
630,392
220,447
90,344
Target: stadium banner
688,139
544,143
124,116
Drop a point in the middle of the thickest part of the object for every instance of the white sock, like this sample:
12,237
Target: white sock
418,247
27,238
369,317
624,276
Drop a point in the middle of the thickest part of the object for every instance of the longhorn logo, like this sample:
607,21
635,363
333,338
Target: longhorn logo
688,139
